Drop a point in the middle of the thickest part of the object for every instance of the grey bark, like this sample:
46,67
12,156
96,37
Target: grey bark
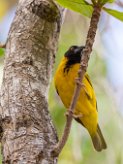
28,132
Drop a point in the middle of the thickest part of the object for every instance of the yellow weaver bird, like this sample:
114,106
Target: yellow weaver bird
85,111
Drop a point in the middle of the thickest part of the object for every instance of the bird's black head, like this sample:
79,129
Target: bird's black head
73,55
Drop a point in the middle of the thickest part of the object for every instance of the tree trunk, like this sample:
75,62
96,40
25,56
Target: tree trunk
28,132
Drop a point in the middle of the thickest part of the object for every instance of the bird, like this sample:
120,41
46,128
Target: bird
85,111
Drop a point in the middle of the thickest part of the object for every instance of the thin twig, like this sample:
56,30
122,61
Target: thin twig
83,67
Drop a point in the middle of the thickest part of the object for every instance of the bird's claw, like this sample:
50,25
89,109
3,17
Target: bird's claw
75,116
68,113
79,83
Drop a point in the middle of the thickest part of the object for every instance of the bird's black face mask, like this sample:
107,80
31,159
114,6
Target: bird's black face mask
73,55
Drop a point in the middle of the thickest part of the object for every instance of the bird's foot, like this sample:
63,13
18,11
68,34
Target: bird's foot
75,116
68,113
79,83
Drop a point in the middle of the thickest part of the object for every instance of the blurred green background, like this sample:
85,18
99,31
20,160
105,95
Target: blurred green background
79,149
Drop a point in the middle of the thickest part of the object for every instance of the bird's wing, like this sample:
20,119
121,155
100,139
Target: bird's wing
88,87
88,78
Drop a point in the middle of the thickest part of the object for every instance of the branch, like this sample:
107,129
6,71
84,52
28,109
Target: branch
83,67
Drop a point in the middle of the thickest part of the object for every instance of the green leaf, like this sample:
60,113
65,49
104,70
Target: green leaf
79,6
109,1
106,1
1,52
114,13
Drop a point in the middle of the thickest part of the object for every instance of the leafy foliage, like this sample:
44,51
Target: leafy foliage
106,1
79,6
114,13
86,9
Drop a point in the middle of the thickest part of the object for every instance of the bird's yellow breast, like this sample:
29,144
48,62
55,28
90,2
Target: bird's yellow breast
86,104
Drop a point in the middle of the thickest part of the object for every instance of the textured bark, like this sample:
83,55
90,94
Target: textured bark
28,133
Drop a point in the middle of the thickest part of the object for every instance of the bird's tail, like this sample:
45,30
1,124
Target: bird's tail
98,140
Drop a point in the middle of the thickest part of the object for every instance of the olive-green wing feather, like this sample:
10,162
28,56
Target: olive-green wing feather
88,78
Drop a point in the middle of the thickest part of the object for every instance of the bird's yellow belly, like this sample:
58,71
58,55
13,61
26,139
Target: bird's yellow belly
86,105
66,91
